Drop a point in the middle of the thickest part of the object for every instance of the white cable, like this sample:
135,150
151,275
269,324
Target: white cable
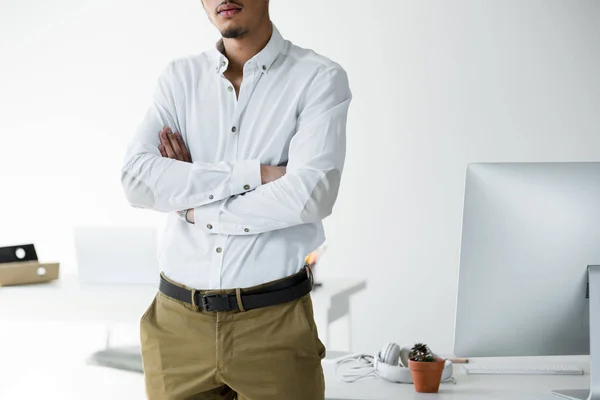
363,370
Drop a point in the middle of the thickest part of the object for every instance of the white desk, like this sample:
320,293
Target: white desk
468,387
69,378
38,370
67,300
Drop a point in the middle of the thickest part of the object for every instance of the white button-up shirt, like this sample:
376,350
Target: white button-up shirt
291,110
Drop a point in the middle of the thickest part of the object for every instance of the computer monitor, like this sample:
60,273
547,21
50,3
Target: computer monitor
530,246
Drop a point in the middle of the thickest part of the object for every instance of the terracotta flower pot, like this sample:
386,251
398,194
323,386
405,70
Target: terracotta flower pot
427,375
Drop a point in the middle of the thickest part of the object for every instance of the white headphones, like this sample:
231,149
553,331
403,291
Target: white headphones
391,364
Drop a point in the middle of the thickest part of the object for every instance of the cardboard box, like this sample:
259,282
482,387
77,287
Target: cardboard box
26,272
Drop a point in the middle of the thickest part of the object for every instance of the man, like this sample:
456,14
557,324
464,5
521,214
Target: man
243,146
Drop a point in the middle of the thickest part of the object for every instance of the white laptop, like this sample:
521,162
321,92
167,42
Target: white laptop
117,254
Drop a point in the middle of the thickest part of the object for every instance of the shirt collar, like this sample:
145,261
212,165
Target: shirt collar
263,60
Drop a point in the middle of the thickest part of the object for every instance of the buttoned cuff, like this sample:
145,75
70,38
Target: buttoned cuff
245,176
206,217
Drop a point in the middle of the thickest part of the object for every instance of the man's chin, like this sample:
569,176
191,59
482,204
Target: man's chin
233,32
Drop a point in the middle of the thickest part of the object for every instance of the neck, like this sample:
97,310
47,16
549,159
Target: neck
239,51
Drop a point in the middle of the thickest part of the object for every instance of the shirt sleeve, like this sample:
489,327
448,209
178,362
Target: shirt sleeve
309,189
162,184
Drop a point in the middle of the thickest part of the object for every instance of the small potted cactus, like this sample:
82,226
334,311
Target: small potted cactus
426,369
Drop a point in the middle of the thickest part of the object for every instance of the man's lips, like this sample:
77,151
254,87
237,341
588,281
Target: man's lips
229,11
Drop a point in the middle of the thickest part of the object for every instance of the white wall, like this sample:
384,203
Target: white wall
437,84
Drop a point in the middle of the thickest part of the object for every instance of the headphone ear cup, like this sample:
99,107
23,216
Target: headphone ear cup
404,354
392,373
390,354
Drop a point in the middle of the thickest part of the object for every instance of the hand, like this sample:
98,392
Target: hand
172,146
270,173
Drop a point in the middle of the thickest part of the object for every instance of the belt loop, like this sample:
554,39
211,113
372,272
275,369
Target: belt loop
194,291
238,295
310,274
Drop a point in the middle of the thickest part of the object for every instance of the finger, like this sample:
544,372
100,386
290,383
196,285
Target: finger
165,130
162,150
186,153
175,146
164,140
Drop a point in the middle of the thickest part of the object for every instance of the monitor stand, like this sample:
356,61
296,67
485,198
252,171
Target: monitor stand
594,299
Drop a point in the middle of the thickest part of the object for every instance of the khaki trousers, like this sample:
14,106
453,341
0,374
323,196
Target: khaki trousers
270,353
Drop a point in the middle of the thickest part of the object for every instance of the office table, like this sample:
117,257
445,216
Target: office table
69,378
58,370
467,387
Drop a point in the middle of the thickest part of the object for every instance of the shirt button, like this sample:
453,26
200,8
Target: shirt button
223,63
264,67
233,129
209,226
219,250
211,197
230,88
246,187
246,230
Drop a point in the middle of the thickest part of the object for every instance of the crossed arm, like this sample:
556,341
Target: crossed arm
172,146
243,197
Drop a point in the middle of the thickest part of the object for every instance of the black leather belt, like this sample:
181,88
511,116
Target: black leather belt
270,294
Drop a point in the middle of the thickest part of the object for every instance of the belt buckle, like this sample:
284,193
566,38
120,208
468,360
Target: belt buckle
216,302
